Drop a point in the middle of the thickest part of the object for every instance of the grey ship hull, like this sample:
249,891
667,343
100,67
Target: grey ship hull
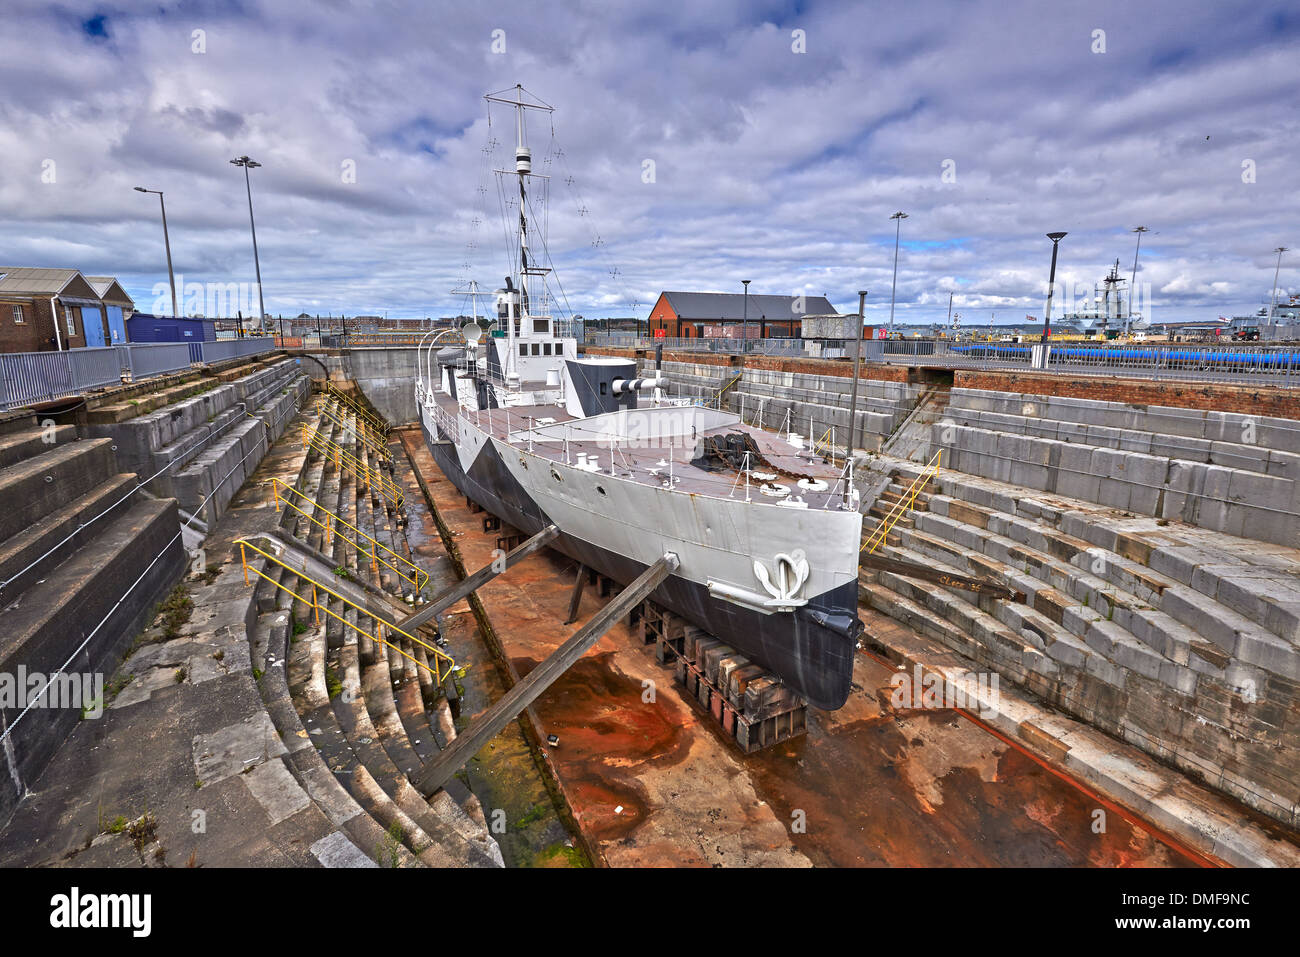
811,648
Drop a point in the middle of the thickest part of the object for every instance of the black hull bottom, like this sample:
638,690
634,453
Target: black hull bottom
811,649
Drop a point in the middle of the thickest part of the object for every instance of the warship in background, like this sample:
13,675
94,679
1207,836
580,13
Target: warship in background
1108,312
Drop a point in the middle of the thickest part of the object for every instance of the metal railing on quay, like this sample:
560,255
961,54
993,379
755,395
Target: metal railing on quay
1266,364
415,576
371,340
145,359
219,350
444,664
722,345
27,377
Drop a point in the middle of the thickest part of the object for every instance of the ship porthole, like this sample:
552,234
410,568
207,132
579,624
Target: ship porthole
600,489
556,475
523,463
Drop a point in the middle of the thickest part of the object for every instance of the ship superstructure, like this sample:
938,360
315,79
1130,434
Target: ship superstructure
766,531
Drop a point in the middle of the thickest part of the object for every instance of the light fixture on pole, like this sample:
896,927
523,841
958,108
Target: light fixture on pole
1051,284
857,359
898,223
745,327
1132,283
167,243
1272,309
248,164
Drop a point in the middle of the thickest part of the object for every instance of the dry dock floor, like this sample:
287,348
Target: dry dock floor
652,781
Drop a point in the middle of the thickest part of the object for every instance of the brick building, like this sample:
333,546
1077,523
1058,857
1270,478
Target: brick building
42,310
687,314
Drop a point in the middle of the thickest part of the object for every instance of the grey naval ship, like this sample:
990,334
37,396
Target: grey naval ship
765,530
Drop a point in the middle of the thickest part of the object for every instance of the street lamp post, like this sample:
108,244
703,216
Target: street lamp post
1272,309
744,345
857,360
171,276
1051,284
1132,283
898,223
248,164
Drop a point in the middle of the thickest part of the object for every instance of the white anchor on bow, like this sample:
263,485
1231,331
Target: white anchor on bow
791,573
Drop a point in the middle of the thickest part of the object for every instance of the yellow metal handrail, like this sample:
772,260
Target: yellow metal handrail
359,429
717,396
443,663
344,458
827,446
331,524
904,503
357,407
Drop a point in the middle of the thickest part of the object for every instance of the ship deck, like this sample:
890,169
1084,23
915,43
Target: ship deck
650,462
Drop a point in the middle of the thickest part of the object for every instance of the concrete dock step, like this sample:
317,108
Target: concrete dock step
79,618
371,733
1182,640
32,552
32,440
36,486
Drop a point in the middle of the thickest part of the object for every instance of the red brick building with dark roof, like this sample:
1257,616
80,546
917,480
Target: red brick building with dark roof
699,314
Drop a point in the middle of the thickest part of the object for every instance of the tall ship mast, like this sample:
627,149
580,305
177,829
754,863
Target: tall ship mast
766,532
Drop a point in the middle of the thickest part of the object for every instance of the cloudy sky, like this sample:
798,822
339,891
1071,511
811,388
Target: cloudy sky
692,146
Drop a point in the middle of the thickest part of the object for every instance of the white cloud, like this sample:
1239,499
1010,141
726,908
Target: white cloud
770,165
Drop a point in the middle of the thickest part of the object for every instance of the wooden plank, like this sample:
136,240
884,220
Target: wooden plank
979,586
490,723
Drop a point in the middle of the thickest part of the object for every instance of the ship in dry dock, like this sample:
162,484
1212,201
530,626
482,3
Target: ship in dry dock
766,531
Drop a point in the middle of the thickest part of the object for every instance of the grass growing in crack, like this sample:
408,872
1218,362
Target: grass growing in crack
117,683
343,573
387,853
333,686
142,831
176,611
